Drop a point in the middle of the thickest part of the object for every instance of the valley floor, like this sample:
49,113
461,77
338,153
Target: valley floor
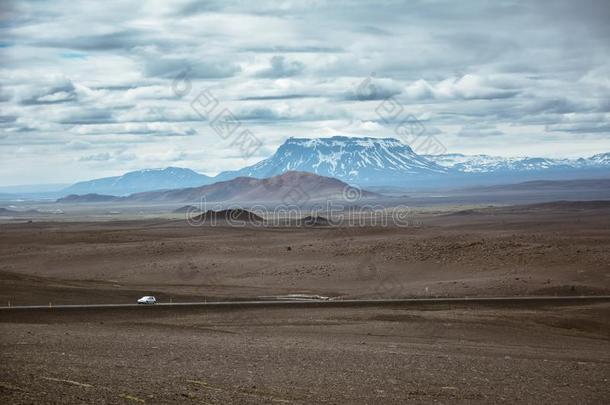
495,252
543,353
477,354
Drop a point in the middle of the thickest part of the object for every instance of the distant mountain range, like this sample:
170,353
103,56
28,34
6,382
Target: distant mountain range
290,188
365,162
456,162
140,181
89,198
387,161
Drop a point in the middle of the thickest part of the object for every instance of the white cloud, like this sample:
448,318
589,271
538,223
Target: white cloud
467,87
479,131
147,129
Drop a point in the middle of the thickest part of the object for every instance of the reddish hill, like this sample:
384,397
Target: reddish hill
290,188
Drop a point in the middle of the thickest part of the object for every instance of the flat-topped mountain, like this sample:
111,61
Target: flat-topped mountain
349,159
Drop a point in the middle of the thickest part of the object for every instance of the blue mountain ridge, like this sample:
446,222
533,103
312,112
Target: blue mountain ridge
363,161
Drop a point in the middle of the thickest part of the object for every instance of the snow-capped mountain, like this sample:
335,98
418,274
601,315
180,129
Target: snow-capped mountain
460,163
362,160
387,161
602,159
140,181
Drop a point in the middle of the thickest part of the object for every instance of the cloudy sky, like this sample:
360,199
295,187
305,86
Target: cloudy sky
91,89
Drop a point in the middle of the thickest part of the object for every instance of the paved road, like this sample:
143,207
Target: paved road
331,303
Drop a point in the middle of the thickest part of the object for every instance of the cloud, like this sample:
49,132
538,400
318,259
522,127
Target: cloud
594,123
259,113
157,63
148,129
294,49
121,40
7,119
114,156
371,88
55,90
467,87
581,127
169,67
77,144
280,67
5,95
553,105
479,131
277,97
98,157
153,92
288,112
82,116
158,114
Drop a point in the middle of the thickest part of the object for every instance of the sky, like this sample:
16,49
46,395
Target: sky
94,89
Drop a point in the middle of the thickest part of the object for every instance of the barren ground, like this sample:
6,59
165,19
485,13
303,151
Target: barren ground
510,355
437,354
510,252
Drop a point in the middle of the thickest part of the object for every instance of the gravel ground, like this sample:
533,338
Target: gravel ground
531,252
437,354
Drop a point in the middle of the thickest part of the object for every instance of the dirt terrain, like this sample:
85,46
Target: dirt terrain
458,354
432,354
556,249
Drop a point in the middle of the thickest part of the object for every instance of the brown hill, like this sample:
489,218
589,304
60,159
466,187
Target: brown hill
229,216
290,188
